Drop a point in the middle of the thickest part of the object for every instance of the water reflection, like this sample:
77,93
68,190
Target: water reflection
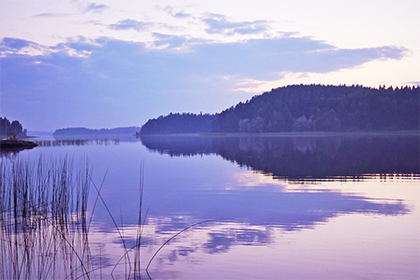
76,142
43,229
221,242
255,220
305,157
289,211
110,137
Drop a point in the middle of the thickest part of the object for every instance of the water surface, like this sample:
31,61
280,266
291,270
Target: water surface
295,207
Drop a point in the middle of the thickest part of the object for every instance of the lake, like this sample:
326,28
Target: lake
292,206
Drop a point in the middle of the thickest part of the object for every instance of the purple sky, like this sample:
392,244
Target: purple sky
103,65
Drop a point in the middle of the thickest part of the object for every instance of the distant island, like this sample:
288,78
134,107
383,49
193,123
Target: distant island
296,108
74,131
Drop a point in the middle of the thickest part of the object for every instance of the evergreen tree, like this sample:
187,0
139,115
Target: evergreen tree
305,108
11,130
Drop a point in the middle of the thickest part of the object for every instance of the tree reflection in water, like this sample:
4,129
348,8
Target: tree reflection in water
297,157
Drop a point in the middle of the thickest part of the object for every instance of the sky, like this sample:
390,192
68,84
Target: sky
105,64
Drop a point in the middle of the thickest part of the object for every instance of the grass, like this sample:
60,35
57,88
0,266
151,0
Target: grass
45,223
43,211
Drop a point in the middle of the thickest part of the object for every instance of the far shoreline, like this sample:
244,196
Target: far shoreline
295,134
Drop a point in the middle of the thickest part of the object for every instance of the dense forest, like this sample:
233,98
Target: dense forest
305,108
179,123
12,129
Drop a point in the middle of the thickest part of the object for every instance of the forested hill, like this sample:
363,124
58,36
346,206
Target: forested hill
179,123
316,108
324,108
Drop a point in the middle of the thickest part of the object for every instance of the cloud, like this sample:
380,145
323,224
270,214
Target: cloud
414,83
71,84
128,24
97,8
169,41
136,25
15,46
218,24
51,15
86,7
170,10
255,58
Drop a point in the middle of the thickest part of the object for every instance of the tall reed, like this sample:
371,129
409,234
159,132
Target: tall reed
44,223
43,208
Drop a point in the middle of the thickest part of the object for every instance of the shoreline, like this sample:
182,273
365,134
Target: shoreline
18,144
293,134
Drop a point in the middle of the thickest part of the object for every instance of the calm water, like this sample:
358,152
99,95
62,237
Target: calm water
308,207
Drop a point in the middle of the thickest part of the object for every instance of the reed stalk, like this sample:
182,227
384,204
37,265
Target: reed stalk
44,222
43,207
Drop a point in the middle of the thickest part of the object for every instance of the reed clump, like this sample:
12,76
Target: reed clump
45,222
43,208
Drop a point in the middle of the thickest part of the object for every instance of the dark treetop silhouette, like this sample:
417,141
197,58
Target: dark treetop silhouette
13,128
305,108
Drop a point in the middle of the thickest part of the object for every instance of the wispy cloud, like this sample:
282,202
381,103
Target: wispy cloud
128,24
219,24
414,83
51,15
137,25
86,7
97,8
181,14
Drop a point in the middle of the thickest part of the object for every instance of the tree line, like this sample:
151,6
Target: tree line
305,108
131,130
12,129
179,123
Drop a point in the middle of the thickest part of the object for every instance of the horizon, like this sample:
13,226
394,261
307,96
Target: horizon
215,113
106,65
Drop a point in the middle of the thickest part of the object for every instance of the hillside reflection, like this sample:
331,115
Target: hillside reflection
236,212
304,157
